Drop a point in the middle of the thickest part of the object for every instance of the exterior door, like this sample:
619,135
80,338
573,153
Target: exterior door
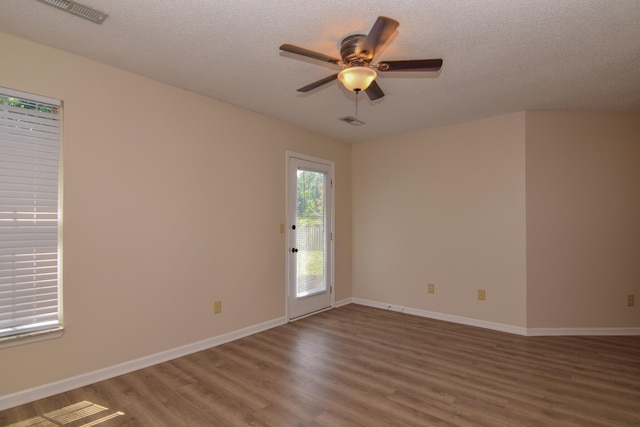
309,234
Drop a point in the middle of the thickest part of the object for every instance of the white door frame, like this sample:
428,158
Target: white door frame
290,216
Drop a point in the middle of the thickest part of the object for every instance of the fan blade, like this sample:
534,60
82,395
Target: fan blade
374,92
379,34
411,65
319,83
309,53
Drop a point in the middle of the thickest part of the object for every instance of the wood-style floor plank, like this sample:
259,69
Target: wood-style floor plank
360,366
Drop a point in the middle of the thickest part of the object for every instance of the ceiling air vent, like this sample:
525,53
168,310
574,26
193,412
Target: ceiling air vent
352,121
78,10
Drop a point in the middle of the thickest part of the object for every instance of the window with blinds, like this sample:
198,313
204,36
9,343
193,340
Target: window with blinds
30,302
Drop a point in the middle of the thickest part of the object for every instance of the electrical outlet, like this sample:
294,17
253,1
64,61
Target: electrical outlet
217,307
482,295
631,300
431,288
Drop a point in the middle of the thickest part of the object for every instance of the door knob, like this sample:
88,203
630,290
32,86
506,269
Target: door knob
294,250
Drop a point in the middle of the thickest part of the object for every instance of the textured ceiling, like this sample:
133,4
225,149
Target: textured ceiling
500,56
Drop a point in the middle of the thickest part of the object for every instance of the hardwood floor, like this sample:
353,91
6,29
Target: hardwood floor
360,366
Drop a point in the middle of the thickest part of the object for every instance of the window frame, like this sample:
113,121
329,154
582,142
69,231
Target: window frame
56,328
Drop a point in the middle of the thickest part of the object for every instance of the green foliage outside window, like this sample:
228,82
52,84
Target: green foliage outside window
27,105
310,200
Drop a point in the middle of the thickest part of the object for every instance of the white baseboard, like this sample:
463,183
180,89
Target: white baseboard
499,326
343,302
443,316
541,332
30,395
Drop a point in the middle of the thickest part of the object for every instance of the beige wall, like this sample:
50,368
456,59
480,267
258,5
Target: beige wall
583,219
171,201
444,206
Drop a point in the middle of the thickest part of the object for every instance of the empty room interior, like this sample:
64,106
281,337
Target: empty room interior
479,203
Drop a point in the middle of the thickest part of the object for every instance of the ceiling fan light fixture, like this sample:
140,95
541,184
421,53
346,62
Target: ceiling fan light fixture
357,51
357,78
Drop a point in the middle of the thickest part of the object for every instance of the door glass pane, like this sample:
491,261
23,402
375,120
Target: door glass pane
310,233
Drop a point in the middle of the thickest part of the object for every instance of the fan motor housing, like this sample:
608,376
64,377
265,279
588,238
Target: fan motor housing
350,50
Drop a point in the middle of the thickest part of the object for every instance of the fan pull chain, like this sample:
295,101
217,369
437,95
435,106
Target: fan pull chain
357,93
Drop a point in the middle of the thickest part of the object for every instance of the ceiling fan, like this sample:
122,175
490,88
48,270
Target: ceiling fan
357,51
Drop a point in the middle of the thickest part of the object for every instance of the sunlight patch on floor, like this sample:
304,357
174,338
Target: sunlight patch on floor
68,415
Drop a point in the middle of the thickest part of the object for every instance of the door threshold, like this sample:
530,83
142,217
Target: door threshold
310,314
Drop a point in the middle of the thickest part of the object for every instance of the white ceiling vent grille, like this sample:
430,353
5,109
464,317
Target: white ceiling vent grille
352,121
78,10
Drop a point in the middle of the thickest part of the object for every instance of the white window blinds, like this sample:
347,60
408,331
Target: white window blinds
29,220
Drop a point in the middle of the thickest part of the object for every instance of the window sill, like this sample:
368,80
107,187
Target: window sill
31,338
